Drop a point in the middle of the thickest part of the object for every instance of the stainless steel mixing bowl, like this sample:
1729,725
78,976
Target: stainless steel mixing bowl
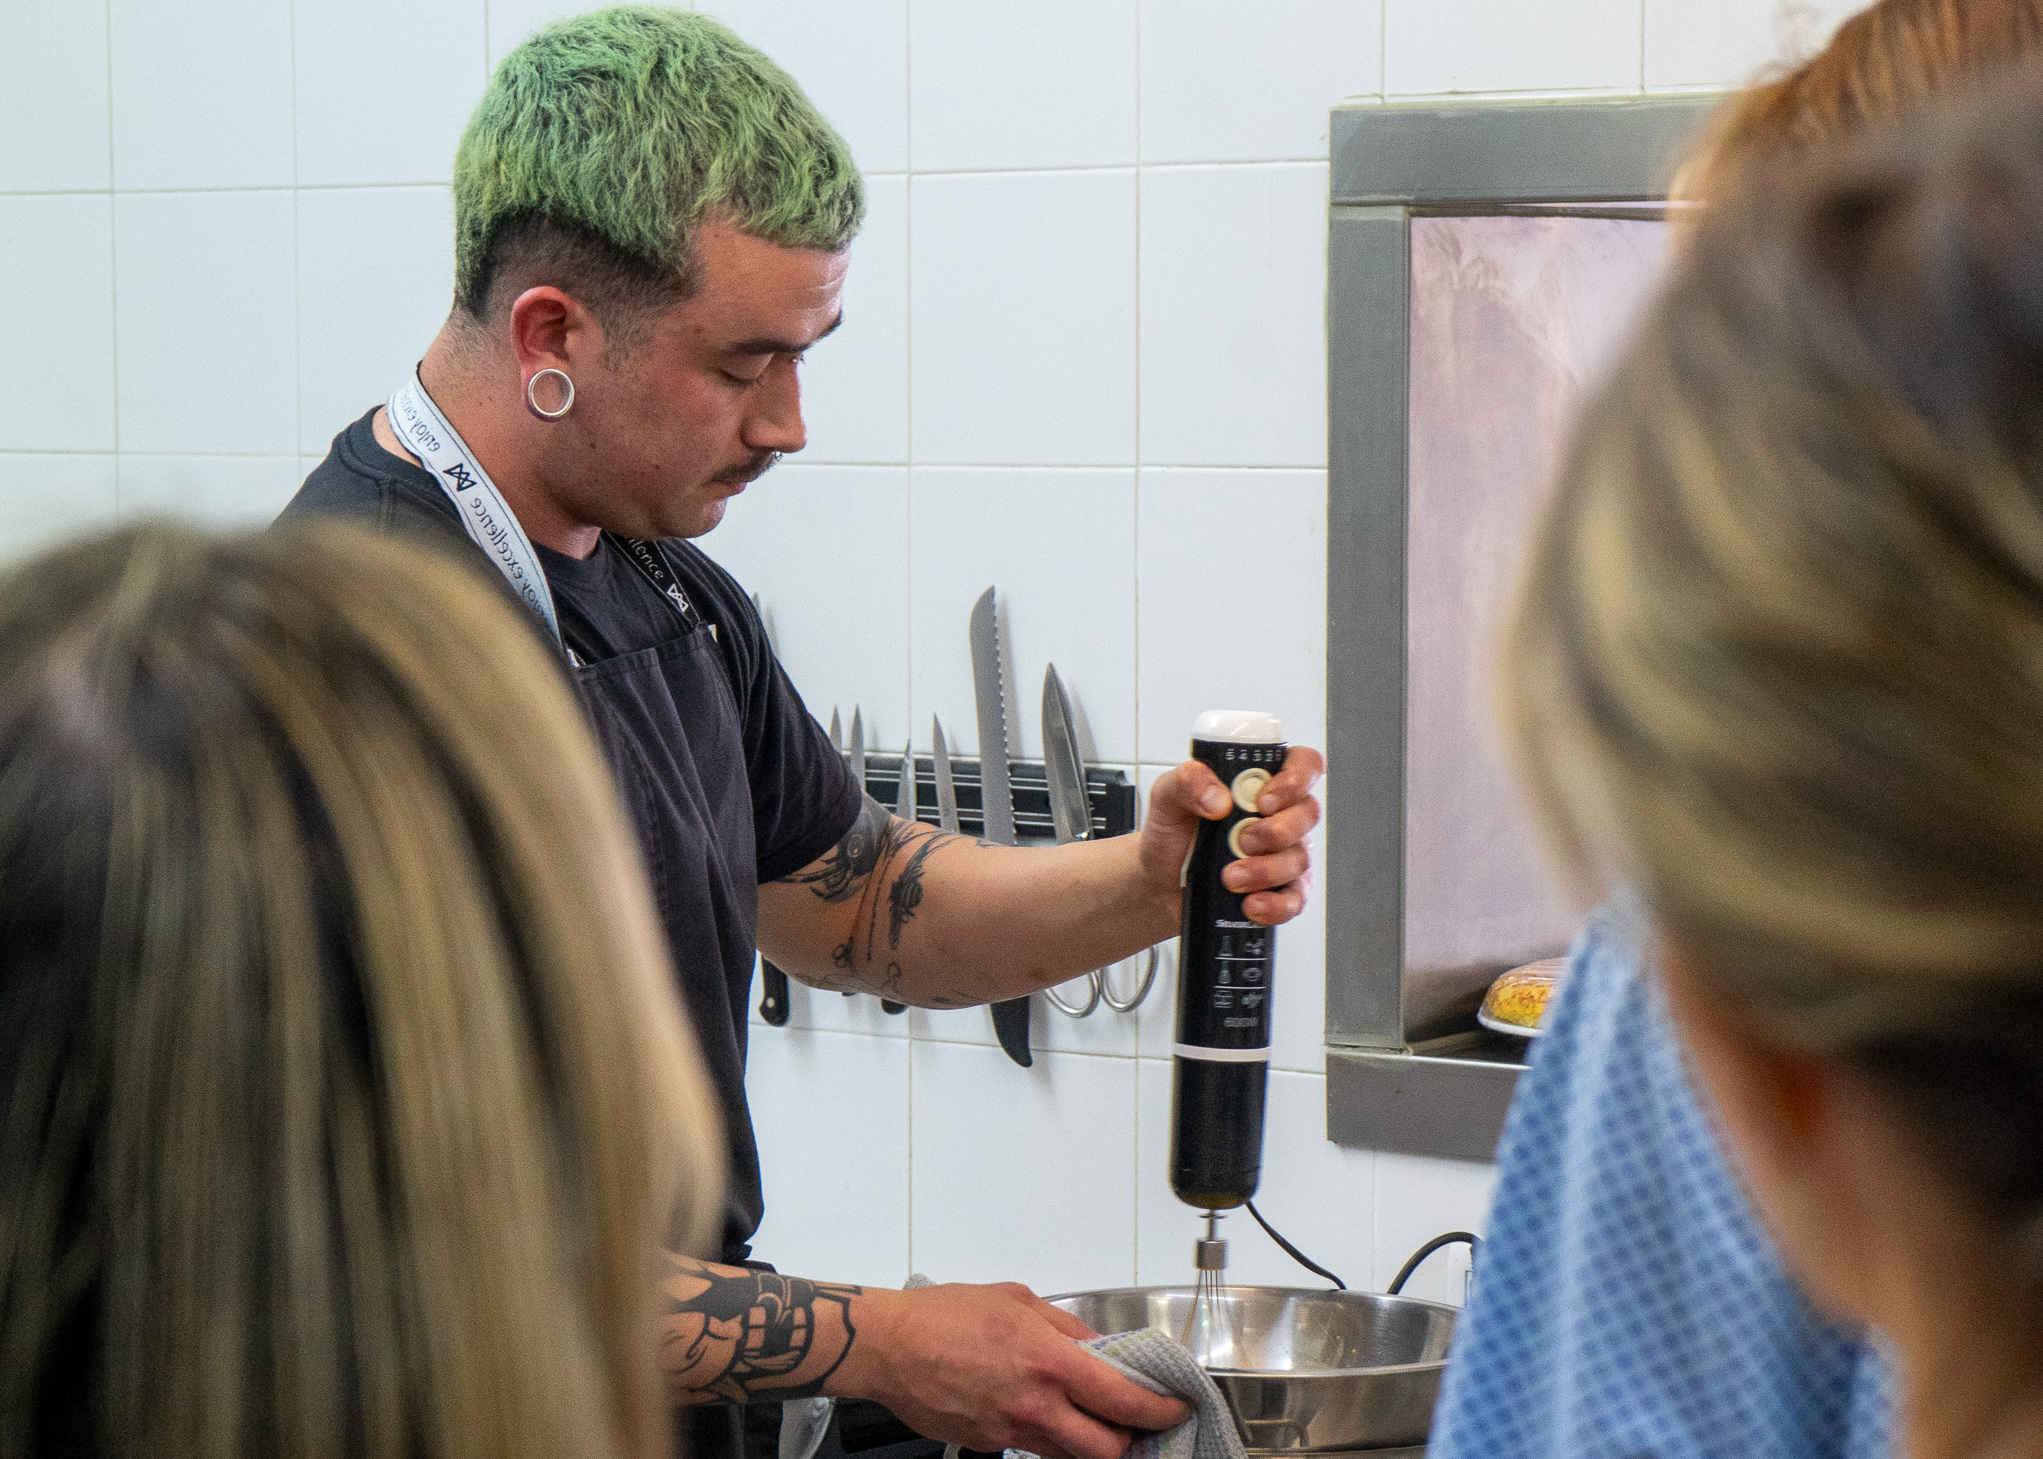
1306,1371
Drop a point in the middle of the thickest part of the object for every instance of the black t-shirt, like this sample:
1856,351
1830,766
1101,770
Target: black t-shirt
727,777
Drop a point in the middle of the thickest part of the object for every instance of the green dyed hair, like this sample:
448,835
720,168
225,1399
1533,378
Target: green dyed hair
604,141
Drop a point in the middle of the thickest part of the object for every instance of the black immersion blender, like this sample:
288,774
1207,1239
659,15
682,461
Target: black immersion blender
1221,1060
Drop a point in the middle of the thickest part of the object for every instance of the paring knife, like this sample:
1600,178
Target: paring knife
989,693
1070,809
904,807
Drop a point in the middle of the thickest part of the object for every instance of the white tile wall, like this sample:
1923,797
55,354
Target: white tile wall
1023,1175
375,280
1224,82
1731,40
1022,309
855,383
1234,315
826,550
51,498
817,1097
205,319
852,55
383,88
1232,573
228,493
56,378
1082,359
1434,46
53,101
1051,83
201,94
1058,546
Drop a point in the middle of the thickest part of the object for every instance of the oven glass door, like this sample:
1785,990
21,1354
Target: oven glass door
1514,316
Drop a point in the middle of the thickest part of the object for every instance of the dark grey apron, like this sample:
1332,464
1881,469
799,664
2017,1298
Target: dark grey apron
668,724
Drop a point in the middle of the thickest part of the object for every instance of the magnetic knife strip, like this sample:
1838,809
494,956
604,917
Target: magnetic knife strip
1110,793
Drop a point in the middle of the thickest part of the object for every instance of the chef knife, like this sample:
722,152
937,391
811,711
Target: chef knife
989,693
946,787
904,807
1070,810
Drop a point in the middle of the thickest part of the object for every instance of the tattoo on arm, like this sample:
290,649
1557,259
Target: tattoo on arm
842,874
879,865
739,1336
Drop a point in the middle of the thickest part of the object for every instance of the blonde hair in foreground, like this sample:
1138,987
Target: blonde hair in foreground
1778,658
347,1102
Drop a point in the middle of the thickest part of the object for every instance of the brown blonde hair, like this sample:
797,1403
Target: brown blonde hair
1778,658
1886,59
347,1098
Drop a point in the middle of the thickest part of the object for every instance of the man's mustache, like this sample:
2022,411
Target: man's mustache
754,468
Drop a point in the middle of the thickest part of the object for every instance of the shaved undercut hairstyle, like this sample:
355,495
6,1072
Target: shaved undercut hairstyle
605,141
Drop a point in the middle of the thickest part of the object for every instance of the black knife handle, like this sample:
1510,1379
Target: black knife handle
773,1003
1011,1024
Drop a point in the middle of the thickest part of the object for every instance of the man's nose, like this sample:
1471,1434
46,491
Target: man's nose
775,423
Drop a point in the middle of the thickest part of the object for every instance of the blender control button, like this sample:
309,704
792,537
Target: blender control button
1247,786
1234,836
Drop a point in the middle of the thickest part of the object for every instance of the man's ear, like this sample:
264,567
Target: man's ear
1775,1100
550,330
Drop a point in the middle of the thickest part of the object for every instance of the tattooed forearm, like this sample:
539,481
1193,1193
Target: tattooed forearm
879,868
905,895
743,1336
842,874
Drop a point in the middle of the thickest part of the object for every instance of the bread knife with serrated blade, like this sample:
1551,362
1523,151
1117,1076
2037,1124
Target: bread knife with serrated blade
989,694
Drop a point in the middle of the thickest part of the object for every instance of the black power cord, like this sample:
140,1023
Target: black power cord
1293,1252
1474,1242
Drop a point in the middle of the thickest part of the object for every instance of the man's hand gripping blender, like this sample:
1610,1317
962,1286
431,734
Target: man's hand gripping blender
1221,1057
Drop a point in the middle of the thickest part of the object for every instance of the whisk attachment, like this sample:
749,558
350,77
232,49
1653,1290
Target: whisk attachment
1206,1330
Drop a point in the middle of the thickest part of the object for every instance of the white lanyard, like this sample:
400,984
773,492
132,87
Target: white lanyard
490,522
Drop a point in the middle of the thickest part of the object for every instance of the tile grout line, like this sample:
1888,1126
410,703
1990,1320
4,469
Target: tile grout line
1642,47
297,261
1180,165
113,266
1135,504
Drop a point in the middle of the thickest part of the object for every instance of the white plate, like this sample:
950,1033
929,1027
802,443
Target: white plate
1497,1025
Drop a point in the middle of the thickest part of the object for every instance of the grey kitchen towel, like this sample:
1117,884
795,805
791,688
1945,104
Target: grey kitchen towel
1162,1364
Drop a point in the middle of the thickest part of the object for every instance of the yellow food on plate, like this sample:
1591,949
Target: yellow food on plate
1519,998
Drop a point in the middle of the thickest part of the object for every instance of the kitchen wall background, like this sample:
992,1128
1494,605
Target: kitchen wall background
1083,359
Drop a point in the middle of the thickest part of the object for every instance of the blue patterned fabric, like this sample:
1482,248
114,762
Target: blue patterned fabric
1627,1303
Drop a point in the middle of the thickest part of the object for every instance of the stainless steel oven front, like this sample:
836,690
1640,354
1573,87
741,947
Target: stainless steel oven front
1485,263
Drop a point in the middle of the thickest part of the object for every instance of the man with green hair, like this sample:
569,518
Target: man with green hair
651,225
